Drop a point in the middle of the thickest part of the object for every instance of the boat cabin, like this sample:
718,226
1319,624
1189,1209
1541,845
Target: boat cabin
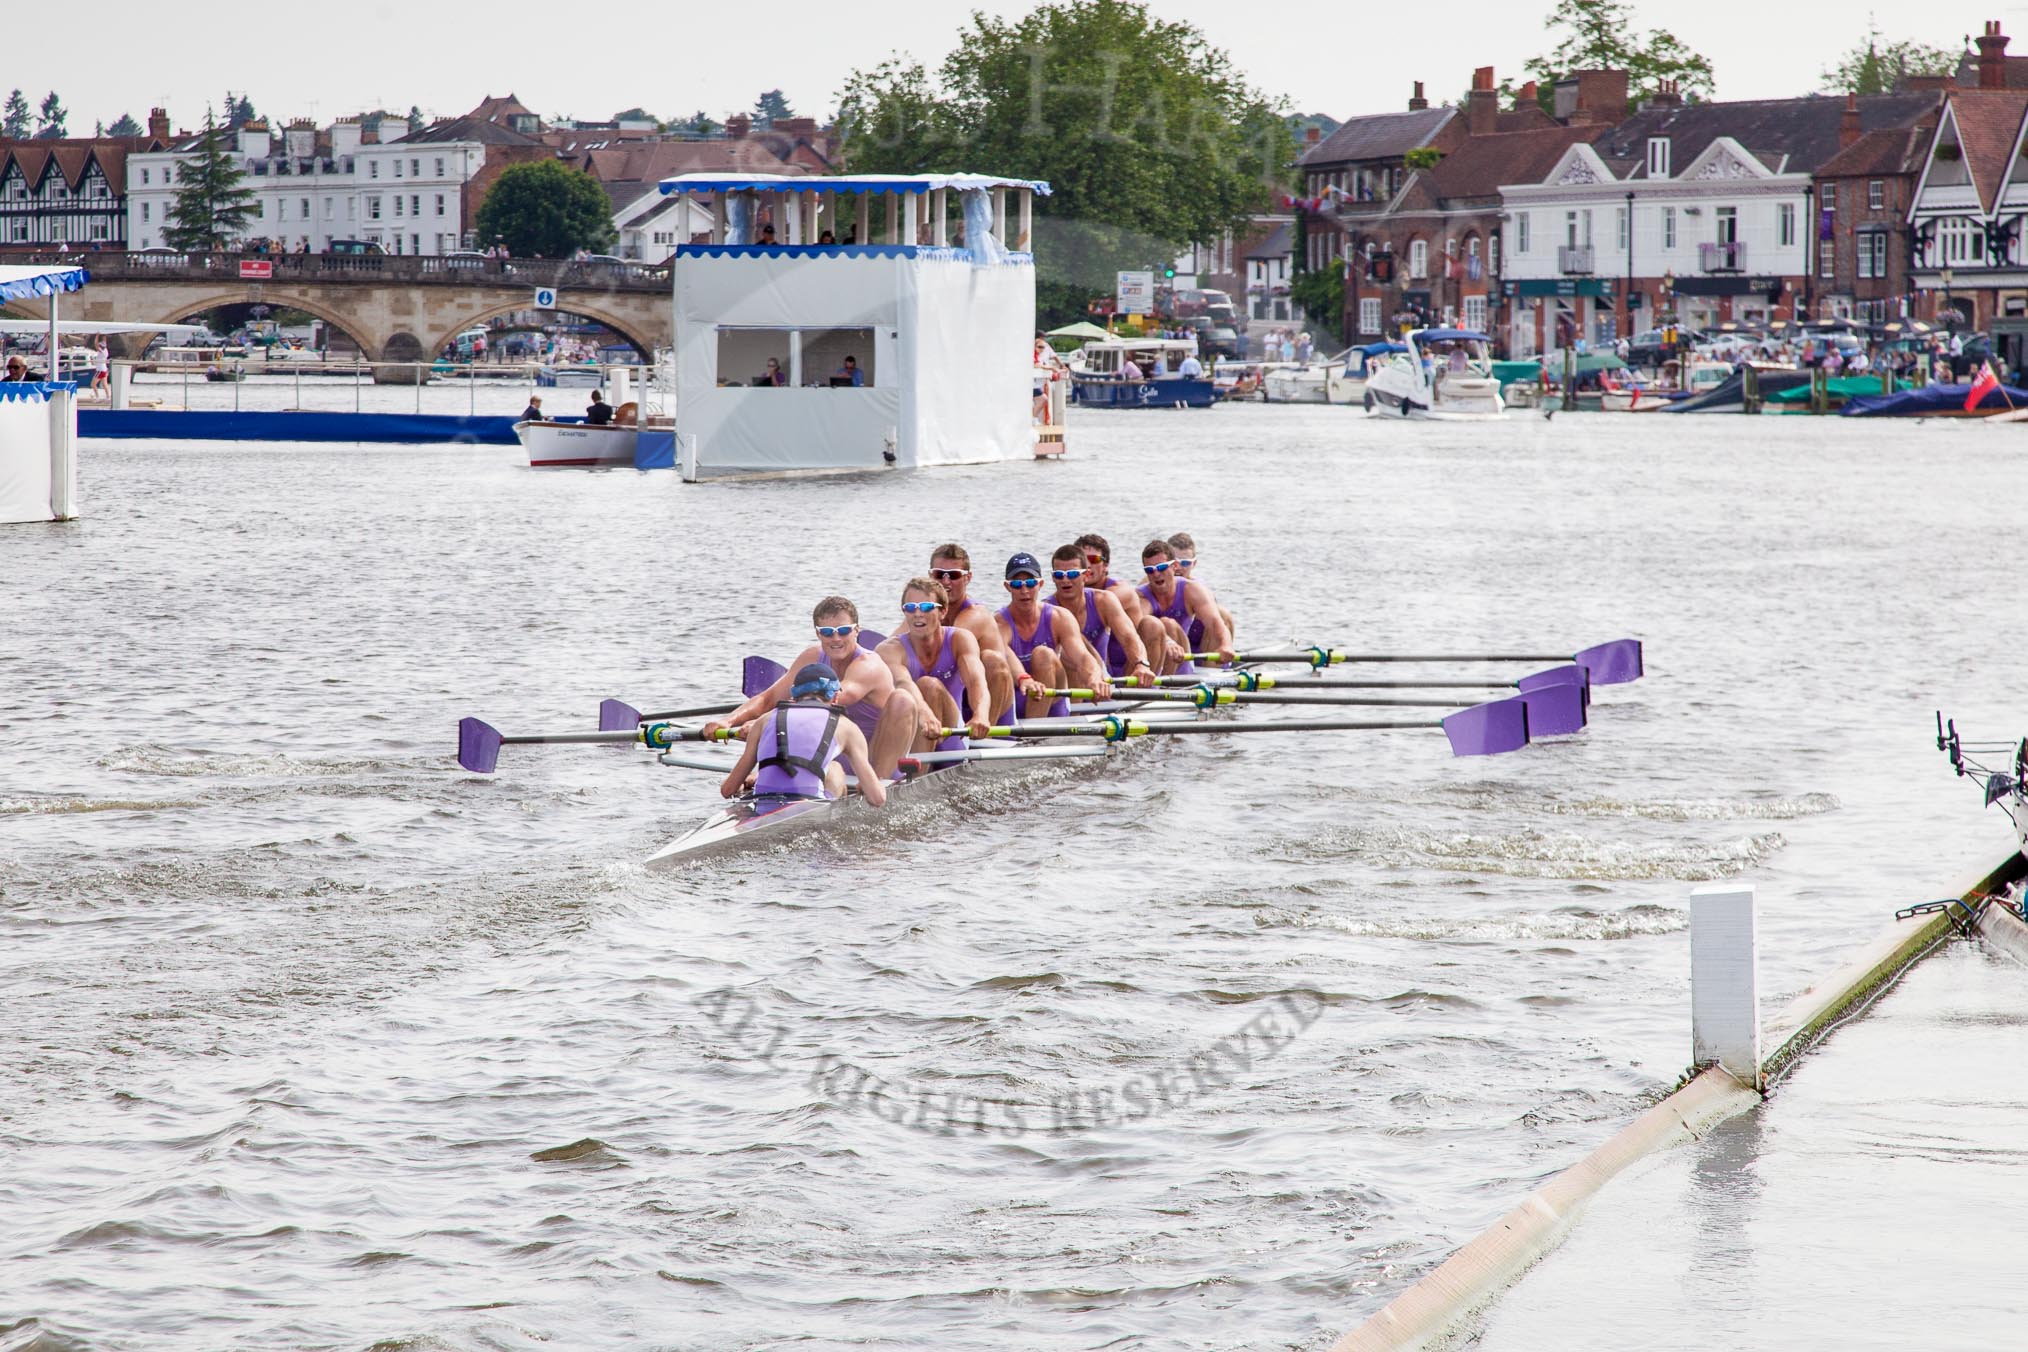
851,321
1148,358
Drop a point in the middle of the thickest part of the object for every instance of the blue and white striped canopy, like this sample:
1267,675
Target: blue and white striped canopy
19,283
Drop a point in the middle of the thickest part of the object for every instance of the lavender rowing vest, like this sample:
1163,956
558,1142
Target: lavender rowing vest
1024,648
864,715
1177,611
945,669
793,748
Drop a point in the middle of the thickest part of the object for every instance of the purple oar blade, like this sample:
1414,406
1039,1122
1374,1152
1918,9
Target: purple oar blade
870,638
1555,710
478,746
1613,663
757,674
1569,674
1489,729
618,716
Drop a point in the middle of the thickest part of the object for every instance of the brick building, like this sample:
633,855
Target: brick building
1863,196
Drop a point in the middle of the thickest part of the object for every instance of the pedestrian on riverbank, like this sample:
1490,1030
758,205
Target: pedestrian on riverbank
102,371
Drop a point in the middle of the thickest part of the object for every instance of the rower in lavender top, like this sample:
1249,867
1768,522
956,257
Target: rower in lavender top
865,684
1098,559
1185,550
794,751
1176,602
1045,641
1101,620
940,662
952,566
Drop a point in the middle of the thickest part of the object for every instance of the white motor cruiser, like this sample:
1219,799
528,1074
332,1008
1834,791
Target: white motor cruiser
1443,374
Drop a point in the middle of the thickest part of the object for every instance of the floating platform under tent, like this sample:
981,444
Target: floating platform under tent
38,420
928,288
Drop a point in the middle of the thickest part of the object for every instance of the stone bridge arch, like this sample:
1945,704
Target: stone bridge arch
644,338
280,298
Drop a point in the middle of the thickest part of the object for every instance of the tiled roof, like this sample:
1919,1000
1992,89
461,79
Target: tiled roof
1276,245
1788,135
471,127
1896,150
1988,121
1480,164
1379,136
72,157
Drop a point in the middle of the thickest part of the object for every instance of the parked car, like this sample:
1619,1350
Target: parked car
464,258
1648,349
1222,341
353,246
157,258
606,258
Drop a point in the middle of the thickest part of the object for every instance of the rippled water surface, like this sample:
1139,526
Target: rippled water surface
319,1042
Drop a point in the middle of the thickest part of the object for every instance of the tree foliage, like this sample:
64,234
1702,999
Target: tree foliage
699,123
1321,294
546,209
51,118
125,125
1600,35
238,110
16,122
212,204
770,108
416,120
1875,65
1148,136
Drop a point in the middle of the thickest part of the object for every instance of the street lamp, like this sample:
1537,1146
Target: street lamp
1950,308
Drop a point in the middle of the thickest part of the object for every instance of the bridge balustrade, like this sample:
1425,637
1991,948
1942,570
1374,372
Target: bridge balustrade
372,269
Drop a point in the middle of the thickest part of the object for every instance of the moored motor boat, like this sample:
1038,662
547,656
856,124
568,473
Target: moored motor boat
558,445
1445,374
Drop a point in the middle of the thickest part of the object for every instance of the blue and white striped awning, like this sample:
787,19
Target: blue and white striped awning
870,183
19,283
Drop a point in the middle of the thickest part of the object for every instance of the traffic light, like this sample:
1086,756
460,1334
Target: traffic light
1169,273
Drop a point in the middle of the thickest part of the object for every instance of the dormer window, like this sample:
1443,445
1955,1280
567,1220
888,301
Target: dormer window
1658,157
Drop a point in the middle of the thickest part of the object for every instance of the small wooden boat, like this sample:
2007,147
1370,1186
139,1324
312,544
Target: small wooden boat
560,445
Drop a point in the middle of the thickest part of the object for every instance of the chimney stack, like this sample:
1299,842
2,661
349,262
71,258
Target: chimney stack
1666,95
1482,104
1992,57
158,123
1848,122
1416,102
1312,135
738,126
1526,97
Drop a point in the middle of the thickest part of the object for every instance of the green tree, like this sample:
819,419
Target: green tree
1321,293
699,123
416,120
51,118
770,108
1600,35
125,125
636,115
1148,136
16,121
545,209
1876,66
212,204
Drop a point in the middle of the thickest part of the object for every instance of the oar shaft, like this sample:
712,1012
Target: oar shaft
1206,696
533,738
696,711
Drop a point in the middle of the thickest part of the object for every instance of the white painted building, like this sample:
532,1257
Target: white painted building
1725,233
651,226
315,187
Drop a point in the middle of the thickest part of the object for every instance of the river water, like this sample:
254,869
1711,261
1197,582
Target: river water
320,1042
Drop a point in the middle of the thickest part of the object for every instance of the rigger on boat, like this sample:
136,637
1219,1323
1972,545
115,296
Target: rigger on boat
1069,674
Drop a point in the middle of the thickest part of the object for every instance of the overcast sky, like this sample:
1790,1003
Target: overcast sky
590,60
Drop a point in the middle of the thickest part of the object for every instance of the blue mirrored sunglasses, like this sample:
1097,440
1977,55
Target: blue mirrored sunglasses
1065,574
1186,564
835,630
1153,568
918,607
1024,583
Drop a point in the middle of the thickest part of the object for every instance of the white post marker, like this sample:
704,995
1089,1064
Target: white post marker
1725,982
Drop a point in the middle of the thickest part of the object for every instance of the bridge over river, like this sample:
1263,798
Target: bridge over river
396,308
